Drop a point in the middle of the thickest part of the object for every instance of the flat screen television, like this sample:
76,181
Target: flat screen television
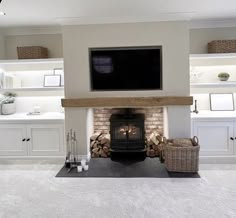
126,68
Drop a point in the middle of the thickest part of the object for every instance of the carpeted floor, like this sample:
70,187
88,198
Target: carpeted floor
29,188
105,167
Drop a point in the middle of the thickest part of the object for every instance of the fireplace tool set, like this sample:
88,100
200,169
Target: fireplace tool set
73,154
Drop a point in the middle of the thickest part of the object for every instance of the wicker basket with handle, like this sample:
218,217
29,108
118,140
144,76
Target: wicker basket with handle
32,52
182,158
222,46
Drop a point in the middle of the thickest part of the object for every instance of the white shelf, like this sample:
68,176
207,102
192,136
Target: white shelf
33,89
31,61
213,85
212,56
213,59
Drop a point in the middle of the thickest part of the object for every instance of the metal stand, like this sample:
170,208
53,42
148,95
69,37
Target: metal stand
72,151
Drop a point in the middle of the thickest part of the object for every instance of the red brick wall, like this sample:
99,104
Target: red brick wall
153,118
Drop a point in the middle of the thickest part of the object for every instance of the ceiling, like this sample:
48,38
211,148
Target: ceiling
63,12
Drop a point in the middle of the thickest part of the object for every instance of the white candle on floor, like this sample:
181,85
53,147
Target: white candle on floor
79,168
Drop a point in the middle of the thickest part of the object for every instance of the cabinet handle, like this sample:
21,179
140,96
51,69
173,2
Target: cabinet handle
231,138
27,139
23,140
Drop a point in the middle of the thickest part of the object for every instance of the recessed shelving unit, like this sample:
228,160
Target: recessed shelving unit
31,73
209,65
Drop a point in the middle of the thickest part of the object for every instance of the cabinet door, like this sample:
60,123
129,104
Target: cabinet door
45,139
13,139
215,137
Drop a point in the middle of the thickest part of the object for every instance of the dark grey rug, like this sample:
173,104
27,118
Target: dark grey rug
105,167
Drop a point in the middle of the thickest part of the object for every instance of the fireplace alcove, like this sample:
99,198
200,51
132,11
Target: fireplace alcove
79,114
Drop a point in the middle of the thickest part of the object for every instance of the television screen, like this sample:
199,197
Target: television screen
127,68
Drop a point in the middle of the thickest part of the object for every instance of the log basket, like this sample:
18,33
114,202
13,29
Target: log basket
182,155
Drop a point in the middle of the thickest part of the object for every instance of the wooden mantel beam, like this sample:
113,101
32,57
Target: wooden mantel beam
127,101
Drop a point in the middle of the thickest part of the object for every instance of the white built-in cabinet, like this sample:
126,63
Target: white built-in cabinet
217,136
32,139
31,136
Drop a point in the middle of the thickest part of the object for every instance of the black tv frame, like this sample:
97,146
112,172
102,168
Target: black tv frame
128,48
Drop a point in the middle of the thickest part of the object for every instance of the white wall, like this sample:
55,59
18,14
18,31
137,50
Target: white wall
199,38
2,45
51,41
174,38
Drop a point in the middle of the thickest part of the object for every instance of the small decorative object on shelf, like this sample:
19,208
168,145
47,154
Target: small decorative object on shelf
8,105
223,76
195,75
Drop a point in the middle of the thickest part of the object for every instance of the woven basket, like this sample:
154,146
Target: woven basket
182,158
32,52
222,46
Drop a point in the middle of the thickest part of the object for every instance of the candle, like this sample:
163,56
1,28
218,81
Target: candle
85,167
79,169
83,162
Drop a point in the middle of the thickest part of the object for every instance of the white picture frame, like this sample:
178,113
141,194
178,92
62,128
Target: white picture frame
59,71
221,102
52,80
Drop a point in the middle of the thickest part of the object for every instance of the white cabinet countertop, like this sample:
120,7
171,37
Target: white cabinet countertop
213,114
47,116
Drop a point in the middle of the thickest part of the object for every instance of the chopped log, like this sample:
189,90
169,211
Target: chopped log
95,150
93,144
105,149
155,147
93,155
107,144
152,153
95,136
103,154
149,143
104,141
159,138
153,138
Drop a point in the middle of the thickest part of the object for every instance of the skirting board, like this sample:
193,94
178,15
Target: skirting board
217,159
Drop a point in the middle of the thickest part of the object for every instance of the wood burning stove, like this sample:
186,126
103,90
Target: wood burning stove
127,132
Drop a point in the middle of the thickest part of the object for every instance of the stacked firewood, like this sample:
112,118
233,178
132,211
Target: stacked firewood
154,144
100,145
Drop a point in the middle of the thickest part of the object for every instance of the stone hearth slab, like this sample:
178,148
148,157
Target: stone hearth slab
105,167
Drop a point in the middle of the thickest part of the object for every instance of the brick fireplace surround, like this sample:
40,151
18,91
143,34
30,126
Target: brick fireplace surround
153,118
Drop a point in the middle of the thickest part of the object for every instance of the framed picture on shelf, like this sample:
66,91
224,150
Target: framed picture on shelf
59,71
222,102
52,80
